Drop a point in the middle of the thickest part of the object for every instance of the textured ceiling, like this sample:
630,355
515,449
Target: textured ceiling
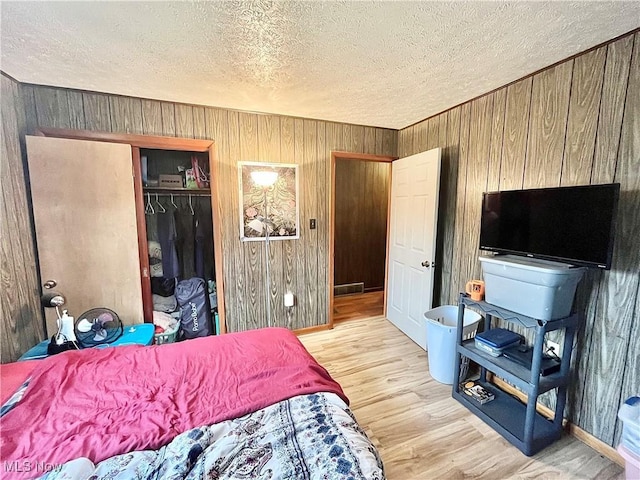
386,64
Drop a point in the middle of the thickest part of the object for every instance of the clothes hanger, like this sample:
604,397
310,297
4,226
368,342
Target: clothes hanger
191,206
172,202
162,209
148,208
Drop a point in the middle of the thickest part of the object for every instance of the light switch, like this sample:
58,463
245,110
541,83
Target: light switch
312,224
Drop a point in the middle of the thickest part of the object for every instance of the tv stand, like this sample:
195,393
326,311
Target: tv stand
519,423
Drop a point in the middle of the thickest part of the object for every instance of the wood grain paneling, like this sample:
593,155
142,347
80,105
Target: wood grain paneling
369,144
516,131
420,139
126,114
613,347
456,284
447,207
232,208
290,248
96,111
302,305
575,123
614,91
151,117
21,322
269,151
168,119
322,215
76,110
432,133
184,121
477,168
199,123
547,126
254,273
361,222
29,103
308,210
497,135
586,88
300,266
52,107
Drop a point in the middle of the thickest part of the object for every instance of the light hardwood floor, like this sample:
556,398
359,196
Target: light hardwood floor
357,306
420,431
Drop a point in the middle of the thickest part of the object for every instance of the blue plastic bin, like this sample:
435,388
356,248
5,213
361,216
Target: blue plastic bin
442,323
629,413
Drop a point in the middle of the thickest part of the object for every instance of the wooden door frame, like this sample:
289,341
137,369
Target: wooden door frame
160,143
338,155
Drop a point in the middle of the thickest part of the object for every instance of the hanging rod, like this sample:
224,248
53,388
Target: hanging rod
178,192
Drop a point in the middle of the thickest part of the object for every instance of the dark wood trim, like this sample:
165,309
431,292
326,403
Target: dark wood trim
143,247
140,141
335,155
553,65
386,262
217,237
332,227
317,328
362,156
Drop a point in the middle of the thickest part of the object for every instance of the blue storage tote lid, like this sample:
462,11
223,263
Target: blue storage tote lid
498,337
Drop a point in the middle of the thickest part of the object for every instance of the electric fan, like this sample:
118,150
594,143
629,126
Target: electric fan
98,326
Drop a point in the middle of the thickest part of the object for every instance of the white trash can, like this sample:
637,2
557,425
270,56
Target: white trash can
442,323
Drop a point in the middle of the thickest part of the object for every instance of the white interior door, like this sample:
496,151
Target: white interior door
415,182
85,222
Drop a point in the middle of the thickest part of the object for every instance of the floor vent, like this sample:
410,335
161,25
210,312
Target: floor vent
348,288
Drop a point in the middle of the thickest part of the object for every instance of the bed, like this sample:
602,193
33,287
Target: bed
254,404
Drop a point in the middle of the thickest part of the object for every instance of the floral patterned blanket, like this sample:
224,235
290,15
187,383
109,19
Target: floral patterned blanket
312,436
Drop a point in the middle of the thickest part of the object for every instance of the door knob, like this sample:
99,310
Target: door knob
426,263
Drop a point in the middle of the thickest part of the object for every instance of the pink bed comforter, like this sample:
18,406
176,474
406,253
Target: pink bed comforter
99,403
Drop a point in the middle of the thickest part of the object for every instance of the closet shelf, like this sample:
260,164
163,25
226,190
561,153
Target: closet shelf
178,191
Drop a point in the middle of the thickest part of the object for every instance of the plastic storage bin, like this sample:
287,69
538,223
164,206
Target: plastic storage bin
442,325
632,463
630,415
537,288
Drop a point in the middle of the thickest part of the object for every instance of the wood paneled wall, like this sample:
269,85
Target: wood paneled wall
362,194
21,322
574,124
299,266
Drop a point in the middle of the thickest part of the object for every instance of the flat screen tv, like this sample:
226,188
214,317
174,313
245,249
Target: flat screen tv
572,225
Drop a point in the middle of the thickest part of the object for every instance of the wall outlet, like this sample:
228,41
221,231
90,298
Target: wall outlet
555,346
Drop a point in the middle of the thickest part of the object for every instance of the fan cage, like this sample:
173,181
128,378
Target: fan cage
113,328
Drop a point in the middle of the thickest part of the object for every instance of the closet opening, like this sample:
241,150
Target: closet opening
179,234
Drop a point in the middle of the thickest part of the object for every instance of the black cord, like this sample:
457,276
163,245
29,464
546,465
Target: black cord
552,353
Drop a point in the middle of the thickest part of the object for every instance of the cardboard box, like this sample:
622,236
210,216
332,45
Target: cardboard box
170,181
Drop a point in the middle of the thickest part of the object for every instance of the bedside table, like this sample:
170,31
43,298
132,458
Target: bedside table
140,334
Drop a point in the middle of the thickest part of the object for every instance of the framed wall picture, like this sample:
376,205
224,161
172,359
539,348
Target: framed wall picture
274,207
